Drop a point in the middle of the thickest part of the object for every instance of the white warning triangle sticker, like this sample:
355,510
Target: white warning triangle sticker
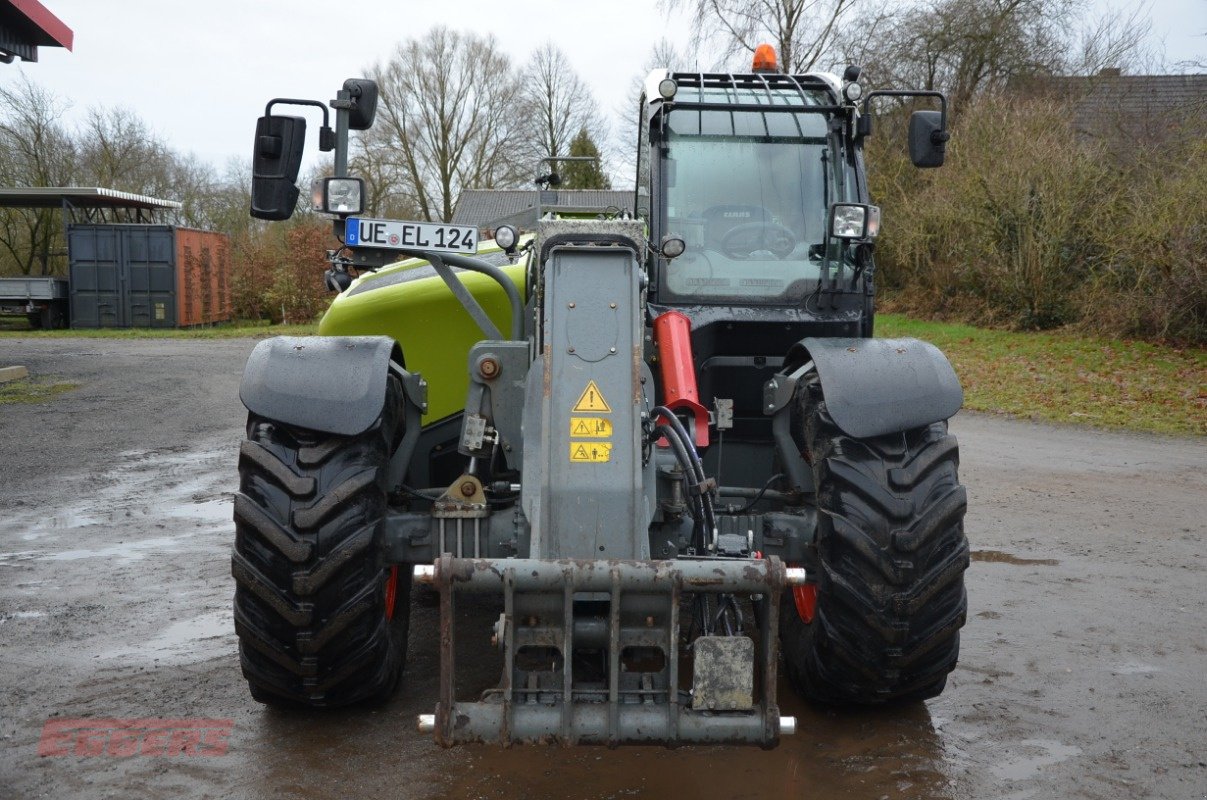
591,400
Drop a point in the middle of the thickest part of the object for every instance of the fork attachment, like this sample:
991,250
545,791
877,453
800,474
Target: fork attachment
592,652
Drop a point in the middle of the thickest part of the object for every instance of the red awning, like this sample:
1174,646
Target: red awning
26,25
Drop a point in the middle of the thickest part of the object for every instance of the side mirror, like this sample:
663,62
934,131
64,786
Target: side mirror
364,107
274,166
927,139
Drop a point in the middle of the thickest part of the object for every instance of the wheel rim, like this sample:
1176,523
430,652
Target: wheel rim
805,596
391,591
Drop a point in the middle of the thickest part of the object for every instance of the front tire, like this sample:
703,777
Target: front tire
882,621
321,619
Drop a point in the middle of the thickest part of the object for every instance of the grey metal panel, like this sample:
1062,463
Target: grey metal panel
587,507
878,386
26,288
95,271
335,384
122,275
149,263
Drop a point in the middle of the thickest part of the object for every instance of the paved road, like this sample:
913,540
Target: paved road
1081,672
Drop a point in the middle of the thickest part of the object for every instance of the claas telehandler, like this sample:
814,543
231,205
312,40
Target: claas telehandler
660,442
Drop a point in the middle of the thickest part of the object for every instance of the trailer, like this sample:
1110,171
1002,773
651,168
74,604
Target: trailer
43,301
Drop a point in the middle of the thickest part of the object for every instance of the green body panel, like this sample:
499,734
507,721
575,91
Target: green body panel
428,322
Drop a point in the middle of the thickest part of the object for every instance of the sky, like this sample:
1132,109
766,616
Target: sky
199,73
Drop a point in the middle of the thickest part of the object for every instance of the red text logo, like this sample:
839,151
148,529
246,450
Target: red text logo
123,738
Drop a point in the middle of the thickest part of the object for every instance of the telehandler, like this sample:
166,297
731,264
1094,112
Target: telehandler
663,441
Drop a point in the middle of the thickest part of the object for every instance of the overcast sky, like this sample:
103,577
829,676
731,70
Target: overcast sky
200,72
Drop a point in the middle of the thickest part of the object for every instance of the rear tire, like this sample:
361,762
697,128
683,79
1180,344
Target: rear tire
311,588
890,559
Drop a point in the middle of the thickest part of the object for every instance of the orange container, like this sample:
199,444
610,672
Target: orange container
202,277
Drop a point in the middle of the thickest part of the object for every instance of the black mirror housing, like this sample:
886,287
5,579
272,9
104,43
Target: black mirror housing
275,163
927,139
364,107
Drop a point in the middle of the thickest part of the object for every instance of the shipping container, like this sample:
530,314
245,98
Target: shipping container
147,276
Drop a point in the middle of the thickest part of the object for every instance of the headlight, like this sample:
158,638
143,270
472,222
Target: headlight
339,195
667,88
854,221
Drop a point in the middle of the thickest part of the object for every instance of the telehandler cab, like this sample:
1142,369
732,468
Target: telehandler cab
665,441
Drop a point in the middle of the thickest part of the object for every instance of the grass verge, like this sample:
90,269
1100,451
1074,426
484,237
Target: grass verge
234,330
1061,377
33,390
1057,377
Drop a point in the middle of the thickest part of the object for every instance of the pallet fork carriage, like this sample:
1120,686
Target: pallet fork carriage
686,463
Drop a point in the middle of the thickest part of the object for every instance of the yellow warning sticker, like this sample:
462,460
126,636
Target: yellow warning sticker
591,427
590,452
591,400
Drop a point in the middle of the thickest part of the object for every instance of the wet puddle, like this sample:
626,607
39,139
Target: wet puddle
122,551
1036,754
1002,557
832,755
1134,668
186,641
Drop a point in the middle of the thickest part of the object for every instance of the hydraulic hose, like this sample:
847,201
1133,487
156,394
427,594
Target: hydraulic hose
685,462
697,466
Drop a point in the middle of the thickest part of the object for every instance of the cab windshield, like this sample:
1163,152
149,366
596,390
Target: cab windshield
748,192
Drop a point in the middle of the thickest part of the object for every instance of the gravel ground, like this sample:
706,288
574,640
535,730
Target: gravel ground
1081,672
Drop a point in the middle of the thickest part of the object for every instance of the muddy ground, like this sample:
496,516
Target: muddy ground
1082,672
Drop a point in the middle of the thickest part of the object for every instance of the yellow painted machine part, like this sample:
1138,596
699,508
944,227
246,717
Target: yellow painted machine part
428,322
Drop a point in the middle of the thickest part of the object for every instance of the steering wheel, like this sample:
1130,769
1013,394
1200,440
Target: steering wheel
742,241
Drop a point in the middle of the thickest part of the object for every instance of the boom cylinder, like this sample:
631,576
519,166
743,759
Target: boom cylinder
673,332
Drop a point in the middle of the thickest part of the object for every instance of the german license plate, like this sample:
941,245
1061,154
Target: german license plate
393,234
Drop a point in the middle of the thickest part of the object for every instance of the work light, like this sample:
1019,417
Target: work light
506,237
854,221
338,195
672,246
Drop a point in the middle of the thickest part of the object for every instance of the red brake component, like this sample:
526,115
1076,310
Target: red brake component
805,596
391,592
673,331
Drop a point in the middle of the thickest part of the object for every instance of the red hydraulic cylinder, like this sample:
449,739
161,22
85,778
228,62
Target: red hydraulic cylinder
672,332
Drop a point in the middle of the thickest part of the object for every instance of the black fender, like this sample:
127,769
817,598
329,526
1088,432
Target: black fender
878,386
334,384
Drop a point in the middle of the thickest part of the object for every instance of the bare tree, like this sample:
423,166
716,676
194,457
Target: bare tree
1115,39
558,104
663,55
442,127
968,47
802,31
35,150
117,148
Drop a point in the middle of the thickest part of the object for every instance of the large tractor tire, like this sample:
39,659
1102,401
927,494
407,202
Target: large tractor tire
321,620
882,621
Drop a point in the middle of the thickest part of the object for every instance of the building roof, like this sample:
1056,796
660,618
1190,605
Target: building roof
78,197
27,24
1130,108
489,208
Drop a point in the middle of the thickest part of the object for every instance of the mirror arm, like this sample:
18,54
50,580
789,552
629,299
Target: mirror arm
326,135
911,93
342,103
